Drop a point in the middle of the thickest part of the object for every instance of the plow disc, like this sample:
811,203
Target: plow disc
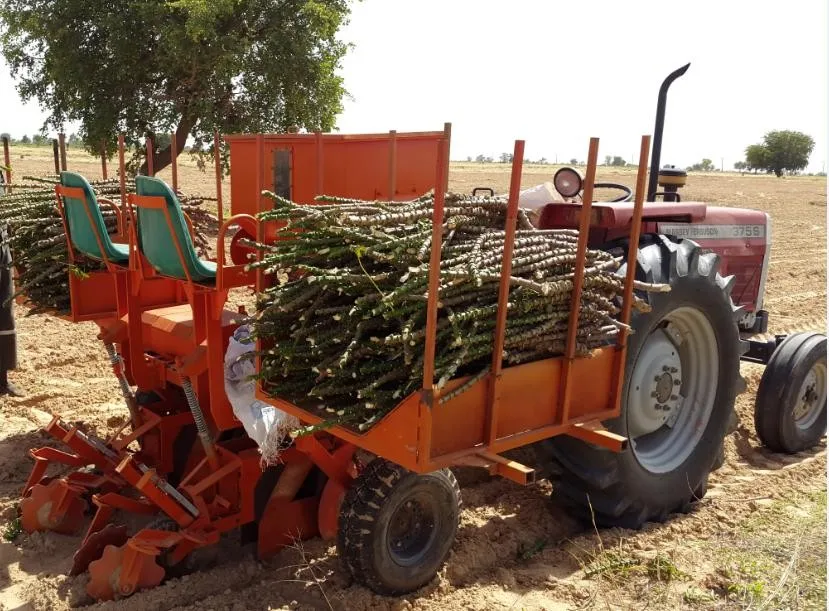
57,506
93,548
123,570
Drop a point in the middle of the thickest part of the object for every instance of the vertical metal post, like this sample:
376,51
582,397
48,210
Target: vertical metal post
56,154
174,160
217,159
429,394
635,231
150,155
7,162
434,271
578,278
122,174
320,185
62,145
627,295
493,399
392,164
104,159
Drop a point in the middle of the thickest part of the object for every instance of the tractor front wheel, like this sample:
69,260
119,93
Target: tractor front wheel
790,409
397,527
681,377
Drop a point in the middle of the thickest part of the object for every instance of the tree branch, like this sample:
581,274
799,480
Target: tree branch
164,157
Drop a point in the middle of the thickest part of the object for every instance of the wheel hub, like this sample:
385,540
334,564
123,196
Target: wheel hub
672,389
654,389
411,530
811,397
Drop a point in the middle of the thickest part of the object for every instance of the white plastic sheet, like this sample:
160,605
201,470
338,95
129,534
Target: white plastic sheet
265,424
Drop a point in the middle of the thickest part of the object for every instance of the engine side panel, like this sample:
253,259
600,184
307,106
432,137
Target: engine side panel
741,237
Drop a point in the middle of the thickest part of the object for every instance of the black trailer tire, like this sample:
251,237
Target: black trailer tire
397,527
790,407
656,476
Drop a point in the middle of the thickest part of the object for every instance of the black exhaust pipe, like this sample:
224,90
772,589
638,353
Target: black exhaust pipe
656,152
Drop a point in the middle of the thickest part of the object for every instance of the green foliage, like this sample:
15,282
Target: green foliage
506,158
788,151
25,139
190,65
12,530
39,140
618,161
756,157
782,151
740,165
706,165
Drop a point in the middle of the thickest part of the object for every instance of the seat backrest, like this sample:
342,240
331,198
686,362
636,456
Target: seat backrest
157,237
84,219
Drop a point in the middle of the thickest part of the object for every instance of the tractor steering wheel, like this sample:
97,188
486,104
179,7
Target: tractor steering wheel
612,185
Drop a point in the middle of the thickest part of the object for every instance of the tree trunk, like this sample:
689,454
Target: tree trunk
164,157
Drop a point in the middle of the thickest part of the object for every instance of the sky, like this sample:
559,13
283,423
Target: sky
554,74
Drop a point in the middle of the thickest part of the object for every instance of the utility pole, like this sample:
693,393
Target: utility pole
722,164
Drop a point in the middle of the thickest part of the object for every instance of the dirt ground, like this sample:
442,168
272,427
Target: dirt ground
757,540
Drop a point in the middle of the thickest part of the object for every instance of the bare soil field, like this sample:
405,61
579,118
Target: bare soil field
757,540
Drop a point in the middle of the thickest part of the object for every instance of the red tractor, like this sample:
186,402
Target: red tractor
683,361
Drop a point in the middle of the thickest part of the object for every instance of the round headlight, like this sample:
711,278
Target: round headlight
568,182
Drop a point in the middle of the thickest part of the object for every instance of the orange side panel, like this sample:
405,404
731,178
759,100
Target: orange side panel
351,166
93,297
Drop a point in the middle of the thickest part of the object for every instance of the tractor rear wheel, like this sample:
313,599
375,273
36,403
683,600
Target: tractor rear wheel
396,527
790,409
681,377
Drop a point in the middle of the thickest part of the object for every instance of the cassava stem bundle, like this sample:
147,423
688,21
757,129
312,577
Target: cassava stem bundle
343,328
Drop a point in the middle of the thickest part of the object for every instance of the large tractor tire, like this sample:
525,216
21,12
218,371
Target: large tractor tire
681,379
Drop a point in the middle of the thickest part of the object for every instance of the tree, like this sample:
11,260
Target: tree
787,151
543,161
618,161
480,158
506,158
25,139
607,159
39,139
189,65
706,165
6,136
756,157
740,165
73,140
574,161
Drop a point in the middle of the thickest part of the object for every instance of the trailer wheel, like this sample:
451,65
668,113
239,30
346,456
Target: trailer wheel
790,408
397,527
681,377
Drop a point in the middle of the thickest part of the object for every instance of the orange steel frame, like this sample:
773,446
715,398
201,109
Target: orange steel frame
568,395
561,395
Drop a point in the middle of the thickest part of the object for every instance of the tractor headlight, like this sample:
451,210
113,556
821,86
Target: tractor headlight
568,182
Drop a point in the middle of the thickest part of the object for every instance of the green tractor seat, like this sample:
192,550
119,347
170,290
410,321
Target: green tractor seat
163,236
84,220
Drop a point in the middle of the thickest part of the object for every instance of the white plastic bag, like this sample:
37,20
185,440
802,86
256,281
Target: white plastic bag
265,424
538,196
535,198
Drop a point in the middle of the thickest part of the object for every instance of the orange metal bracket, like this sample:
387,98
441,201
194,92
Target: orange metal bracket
593,432
498,465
